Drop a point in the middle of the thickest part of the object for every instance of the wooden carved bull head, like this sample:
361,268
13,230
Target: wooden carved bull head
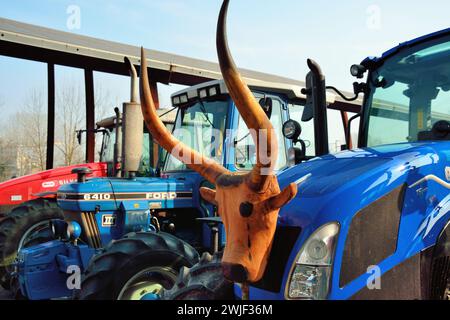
247,203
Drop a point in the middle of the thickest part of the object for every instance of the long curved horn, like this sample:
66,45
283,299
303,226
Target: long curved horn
248,107
208,168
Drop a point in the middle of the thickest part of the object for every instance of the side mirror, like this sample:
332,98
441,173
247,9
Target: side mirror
315,92
292,130
308,112
316,106
79,136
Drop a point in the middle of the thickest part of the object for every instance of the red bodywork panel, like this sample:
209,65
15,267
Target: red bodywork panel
14,192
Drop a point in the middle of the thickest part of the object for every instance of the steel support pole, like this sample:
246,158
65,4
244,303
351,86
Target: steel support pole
90,115
50,115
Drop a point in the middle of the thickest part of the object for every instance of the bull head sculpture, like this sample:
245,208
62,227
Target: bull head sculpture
247,203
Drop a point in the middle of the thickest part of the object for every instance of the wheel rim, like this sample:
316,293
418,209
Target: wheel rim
33,233
148,281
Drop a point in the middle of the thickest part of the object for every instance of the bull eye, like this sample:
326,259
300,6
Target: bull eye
246,209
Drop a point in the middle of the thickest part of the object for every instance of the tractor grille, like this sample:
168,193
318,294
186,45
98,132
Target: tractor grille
92,232
88,223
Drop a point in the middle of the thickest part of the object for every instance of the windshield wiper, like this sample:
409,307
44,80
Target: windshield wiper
203,109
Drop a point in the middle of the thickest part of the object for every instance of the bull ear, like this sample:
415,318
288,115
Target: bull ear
276,202
209,195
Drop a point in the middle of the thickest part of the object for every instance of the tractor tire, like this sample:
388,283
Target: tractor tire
204,281
440,279
15,291
138,264
25,226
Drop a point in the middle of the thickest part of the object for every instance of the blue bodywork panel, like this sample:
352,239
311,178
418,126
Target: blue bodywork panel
44,269
129,201
338,186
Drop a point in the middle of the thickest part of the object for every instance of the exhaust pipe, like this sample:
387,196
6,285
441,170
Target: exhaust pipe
132,128
117,170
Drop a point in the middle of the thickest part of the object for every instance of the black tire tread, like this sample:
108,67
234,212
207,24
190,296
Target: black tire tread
204,281
16,223
440,278
103,275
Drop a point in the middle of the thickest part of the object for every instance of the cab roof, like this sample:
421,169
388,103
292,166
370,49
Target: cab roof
292,90
377,61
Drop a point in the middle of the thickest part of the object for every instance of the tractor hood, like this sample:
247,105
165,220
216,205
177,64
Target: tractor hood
130,194
335,187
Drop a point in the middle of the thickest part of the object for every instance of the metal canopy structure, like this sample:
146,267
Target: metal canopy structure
32,42
53,47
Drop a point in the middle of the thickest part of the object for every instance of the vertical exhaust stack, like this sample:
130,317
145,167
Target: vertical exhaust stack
132,128
117,170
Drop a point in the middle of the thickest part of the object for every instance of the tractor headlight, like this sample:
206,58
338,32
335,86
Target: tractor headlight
176,101
203,93
73,230
311,273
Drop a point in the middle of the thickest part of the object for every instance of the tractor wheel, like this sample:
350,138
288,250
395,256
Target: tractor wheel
136,265
204,281
25,226
15,291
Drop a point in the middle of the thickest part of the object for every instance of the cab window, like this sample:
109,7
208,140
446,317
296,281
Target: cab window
245,151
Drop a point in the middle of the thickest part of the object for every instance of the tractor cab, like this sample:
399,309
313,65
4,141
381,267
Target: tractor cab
208,122
409,92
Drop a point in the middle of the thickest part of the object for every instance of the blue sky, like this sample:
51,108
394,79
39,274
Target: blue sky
270,36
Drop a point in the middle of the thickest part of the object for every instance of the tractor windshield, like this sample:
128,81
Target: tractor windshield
201,125
409,93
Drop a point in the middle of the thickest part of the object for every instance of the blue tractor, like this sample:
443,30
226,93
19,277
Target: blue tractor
128,237
369,223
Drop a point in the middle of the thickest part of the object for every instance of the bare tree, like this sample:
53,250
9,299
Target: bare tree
23,138
69,118
32,133
8,161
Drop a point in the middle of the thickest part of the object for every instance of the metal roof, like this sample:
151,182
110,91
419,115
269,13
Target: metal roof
33,42
26,41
